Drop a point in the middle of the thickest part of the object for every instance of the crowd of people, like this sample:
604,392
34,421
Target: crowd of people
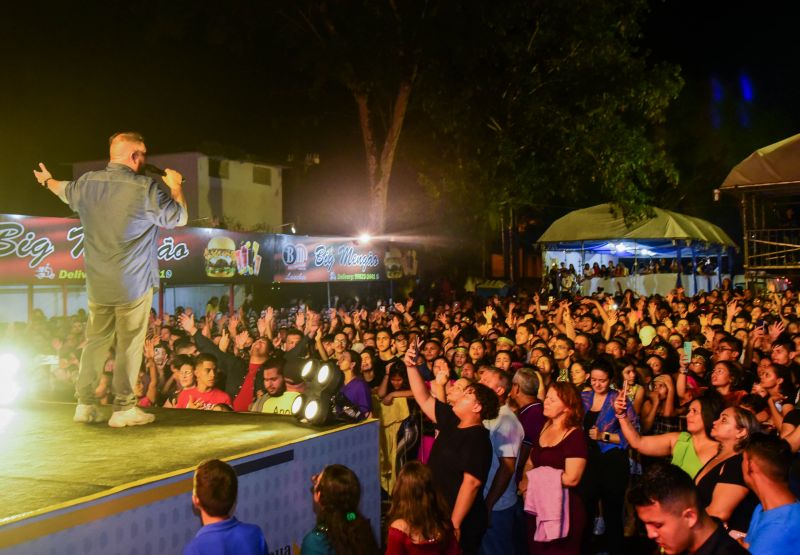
565,278
518,425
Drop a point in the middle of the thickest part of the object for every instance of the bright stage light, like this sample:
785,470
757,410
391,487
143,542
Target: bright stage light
324,374
9,368
364,238
10,362
312,408
297,405
307,368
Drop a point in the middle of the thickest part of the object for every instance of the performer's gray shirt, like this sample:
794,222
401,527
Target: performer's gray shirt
121,212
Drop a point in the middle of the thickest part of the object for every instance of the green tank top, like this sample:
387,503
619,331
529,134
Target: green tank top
684,456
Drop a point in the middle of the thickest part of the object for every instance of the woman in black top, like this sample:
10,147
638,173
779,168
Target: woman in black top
462,453
720,484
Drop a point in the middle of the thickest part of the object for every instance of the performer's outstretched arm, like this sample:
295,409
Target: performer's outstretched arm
45,179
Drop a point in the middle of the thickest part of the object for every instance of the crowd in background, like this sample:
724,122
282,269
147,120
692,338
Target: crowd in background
517,424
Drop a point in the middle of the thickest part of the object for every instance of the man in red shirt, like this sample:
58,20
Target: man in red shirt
239,374
204,395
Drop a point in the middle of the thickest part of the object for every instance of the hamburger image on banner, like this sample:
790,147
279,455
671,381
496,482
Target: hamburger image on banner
220,255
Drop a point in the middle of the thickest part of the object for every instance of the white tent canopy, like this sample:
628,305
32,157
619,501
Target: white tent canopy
771,165
601,224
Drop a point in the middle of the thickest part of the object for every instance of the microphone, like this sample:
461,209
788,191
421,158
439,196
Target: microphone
158,171
154,169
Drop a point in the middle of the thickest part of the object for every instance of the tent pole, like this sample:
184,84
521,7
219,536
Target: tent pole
583,258
678,280
719,266
694,270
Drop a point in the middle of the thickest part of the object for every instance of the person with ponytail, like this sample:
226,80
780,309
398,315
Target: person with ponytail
341,529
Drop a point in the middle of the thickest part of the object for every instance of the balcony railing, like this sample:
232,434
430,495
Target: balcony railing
773,248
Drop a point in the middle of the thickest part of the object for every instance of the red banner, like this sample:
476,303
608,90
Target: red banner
36,250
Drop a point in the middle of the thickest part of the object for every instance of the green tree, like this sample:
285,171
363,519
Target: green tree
373,49
535,104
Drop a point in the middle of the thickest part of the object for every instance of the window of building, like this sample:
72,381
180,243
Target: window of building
262,175
218,168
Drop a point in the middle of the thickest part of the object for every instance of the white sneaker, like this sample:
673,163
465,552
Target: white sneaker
134,416
88,414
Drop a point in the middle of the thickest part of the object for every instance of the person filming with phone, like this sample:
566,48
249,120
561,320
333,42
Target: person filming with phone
607,469
462,453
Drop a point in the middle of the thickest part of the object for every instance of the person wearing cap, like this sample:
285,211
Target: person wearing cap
646,335
504,344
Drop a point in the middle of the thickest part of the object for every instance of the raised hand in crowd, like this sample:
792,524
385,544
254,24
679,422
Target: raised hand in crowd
757,337
652,308
150,348
224,340
186,322
262,324
233,324
207,325
312,324
240,341
775,330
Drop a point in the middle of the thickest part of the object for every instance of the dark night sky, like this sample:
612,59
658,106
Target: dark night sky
73,73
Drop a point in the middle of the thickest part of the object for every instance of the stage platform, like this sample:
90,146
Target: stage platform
77,488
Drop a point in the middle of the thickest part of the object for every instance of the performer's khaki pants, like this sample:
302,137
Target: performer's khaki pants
125,327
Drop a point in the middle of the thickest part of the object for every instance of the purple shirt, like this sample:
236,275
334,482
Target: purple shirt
532,419
357,392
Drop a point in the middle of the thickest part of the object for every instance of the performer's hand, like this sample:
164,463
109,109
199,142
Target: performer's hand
43,175
172,178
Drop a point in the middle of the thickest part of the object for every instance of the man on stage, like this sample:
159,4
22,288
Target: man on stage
121,211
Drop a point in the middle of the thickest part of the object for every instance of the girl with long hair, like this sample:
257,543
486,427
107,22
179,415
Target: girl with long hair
725,378
720,484
419,518
341,529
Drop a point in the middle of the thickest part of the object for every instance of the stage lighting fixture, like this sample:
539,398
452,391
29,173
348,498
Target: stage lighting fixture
311,410
307,369
9,368
297,405
323,381
364,238
324,374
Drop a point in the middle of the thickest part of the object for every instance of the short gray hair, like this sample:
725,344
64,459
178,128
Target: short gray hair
527,380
